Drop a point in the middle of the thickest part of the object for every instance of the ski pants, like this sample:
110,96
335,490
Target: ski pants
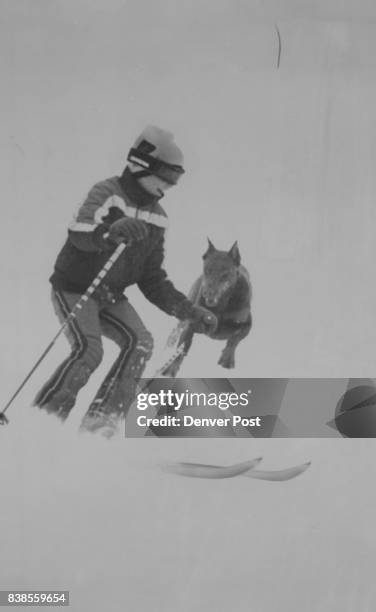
115,320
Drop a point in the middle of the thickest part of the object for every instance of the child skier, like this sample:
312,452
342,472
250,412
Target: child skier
119,209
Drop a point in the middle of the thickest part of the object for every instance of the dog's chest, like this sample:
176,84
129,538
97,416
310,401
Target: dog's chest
236,308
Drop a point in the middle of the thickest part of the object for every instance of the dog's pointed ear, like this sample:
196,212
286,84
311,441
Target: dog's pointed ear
234,253
210,248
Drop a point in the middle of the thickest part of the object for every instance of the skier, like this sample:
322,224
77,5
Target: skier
126,209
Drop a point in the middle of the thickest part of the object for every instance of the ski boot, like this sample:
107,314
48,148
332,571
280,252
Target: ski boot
59,407
107,424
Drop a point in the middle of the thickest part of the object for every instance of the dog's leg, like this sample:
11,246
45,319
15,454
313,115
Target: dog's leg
227,358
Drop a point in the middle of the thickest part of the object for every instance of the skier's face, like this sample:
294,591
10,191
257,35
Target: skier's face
154,185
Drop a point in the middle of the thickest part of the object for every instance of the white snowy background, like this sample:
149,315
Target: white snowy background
280,160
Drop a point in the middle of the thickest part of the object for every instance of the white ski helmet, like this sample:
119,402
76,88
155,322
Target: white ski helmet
155,152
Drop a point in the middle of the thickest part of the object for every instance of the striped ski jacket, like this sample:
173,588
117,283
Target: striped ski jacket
141,263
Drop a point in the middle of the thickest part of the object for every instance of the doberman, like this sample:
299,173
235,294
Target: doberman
225,289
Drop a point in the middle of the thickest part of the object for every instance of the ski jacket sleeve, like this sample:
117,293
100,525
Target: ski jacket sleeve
87,230
159,290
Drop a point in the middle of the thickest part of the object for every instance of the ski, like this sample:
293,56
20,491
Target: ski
200,470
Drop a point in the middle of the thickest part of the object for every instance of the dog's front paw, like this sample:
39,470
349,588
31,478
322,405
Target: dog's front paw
227,359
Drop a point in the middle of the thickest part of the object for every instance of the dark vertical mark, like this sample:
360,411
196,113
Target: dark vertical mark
279,46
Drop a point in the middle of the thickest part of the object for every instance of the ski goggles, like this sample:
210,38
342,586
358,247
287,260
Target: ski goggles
166,172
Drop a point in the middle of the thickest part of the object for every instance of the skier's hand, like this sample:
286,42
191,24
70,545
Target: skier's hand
127,230
203,320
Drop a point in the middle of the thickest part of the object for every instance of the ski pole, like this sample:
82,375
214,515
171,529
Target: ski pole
170,361
72,315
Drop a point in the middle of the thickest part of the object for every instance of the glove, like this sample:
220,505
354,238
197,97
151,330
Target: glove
204,321
127,230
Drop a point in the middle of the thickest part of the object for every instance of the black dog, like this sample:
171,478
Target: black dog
225,289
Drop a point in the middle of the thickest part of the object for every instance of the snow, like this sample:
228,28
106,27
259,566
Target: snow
104,521
280,160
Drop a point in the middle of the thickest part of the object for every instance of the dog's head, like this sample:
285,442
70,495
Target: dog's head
221,271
